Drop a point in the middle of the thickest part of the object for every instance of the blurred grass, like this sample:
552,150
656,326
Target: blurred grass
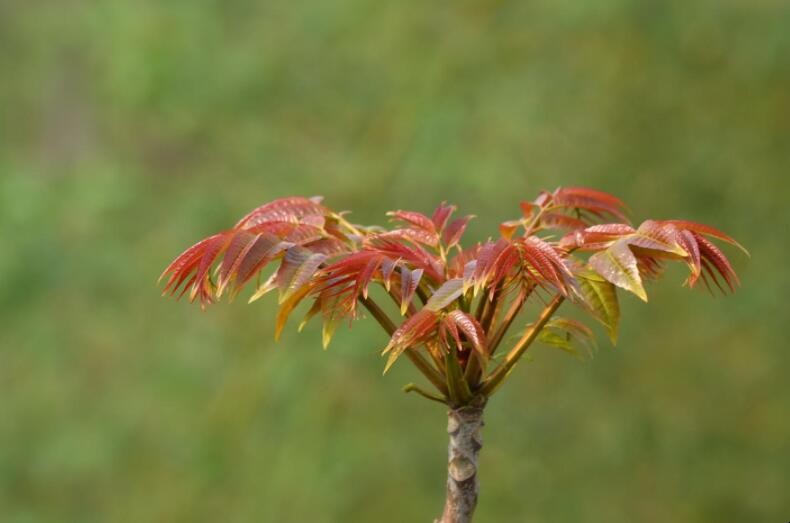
131,129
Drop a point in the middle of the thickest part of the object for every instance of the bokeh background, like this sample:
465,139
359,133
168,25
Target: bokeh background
132,128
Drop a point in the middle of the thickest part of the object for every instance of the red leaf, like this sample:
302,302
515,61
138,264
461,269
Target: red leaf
413,254
490,261
508,229
546,262
297,268
366,275
415,235
598,237
441,215
186,262
235,252
529,208
471,329
415,219
657,236
410,280
452,235
414,331
690,245
291,209
554,220
596,202
707,230
258,253
329,246
387,268
716,260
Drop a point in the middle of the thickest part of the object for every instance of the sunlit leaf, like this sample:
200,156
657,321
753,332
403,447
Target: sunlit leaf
446,294
286,307
618,265
657,236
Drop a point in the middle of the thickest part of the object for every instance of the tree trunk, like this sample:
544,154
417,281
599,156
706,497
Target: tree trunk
463,426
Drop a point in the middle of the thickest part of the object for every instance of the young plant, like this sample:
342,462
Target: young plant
456,303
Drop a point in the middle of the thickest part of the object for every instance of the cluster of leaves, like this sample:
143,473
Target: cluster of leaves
456,302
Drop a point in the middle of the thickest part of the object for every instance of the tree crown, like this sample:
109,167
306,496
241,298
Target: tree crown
456,302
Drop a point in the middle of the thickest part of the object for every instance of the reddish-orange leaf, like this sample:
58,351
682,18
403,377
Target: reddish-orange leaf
441,215
716,260
415,219
412,254
410,280
297,268
690,245
415,330
706,230
259,253
452,235
657,236
508,229
416,235
596,202
291,209
546,263
553,220
471,329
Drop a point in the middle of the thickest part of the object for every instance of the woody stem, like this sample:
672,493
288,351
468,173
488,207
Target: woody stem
416,358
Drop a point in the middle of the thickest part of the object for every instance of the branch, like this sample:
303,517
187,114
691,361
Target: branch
490,311
421,363
411,387
492,382
507,321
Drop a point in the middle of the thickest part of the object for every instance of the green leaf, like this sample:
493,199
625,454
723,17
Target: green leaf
331,322
618,265
314,309
556,340
267,286
601,297
567,334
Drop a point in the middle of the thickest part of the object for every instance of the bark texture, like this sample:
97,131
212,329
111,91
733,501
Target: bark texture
463,426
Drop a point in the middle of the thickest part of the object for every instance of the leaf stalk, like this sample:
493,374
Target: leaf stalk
493,381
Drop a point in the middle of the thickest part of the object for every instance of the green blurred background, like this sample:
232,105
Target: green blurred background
132,128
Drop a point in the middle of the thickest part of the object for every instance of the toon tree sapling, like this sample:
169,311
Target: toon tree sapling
456,302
